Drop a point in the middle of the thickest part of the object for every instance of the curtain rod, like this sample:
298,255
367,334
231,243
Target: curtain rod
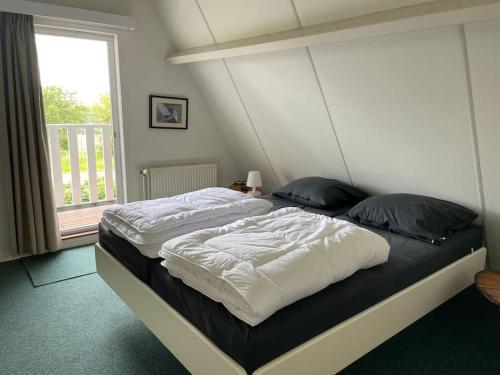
68,14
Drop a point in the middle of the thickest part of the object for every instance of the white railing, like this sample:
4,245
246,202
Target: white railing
82,140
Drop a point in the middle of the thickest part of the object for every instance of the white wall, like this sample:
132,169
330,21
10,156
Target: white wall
402,112
143,72
484,54
282,95
393,113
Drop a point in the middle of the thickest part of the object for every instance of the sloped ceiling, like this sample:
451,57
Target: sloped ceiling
366,112
321,11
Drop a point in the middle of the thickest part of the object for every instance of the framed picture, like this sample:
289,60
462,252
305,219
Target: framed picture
167,112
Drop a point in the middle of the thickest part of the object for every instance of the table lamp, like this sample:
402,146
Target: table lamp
254,181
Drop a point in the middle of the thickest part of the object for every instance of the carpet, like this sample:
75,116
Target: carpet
62,265
460,337
79,326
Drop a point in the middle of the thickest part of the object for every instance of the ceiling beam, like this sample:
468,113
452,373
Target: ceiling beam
418,17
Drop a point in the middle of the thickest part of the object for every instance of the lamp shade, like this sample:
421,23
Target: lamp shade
254,179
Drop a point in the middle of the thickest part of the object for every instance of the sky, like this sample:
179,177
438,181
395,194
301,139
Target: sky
79,65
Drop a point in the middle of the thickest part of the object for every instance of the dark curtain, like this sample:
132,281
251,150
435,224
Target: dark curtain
24,145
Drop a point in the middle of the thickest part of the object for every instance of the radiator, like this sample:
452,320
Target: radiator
159,182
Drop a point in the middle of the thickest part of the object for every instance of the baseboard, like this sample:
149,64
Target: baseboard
66,244
494,266
8,258
80,241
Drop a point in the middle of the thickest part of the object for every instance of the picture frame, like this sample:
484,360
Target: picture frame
168,112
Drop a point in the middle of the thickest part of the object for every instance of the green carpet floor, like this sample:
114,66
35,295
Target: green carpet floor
79,326
61,265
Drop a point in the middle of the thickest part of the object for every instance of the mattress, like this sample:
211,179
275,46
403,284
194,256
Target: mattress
140,264
126,253
410,260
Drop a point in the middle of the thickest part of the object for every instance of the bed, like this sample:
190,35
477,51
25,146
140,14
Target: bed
407,287
319,334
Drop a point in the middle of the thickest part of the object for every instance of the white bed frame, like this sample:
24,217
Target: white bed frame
326,353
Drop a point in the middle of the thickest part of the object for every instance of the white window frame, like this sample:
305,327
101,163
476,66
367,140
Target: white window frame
48,27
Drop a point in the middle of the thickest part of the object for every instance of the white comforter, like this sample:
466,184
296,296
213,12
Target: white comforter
260,264
148,224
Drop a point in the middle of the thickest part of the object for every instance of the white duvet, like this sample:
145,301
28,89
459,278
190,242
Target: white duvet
260,264
148,224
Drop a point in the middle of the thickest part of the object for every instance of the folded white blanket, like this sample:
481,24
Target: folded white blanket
148,224
261,264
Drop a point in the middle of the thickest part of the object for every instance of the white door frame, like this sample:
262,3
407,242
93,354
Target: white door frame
61,29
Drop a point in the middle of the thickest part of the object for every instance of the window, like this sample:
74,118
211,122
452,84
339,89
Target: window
78,73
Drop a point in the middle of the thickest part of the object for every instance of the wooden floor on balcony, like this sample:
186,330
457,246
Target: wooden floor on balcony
80,218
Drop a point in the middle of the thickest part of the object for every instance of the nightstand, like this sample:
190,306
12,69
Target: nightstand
241,186
488,283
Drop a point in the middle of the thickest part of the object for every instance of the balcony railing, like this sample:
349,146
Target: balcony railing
81,156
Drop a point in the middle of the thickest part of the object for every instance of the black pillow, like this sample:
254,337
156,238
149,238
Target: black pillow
319,192
415,216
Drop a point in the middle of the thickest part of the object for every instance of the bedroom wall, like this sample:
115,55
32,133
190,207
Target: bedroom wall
391,114
484,56
143,72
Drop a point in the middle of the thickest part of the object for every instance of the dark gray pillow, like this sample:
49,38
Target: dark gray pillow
415,216
319,192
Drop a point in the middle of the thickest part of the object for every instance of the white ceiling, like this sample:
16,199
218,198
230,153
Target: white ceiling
238,19
313,12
